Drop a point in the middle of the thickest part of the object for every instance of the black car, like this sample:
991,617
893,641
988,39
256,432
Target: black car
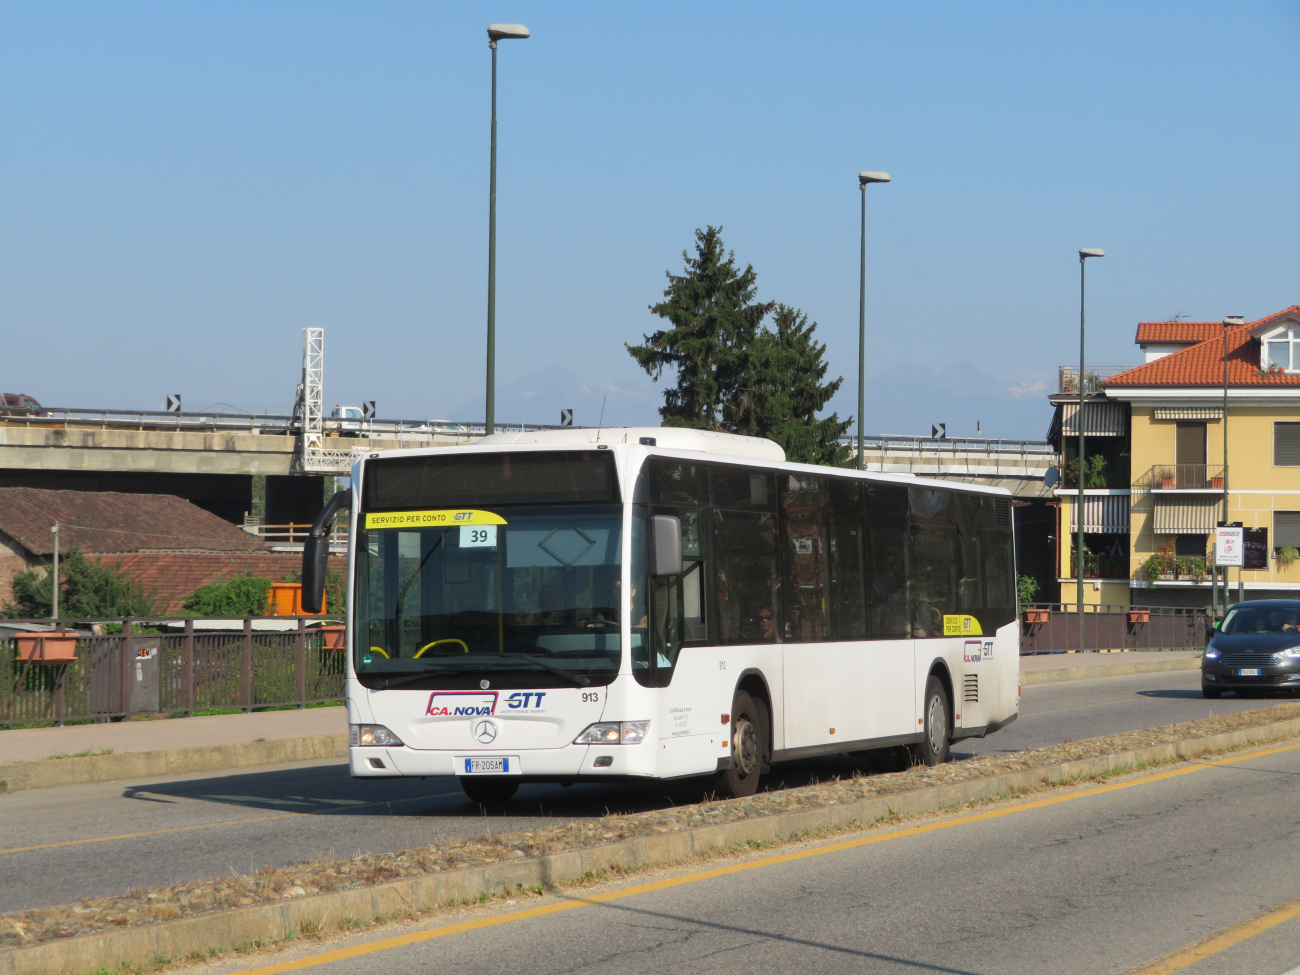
1255,648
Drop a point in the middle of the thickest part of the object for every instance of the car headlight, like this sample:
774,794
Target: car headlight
1211,654
614,733
371,734
1287,655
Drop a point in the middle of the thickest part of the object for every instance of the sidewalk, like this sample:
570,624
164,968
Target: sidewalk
1047,668
174,746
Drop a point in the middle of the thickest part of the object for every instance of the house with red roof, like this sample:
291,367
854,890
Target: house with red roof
168,544
1205,431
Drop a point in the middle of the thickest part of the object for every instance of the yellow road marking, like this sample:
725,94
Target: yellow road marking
1216,943
416,937
185,829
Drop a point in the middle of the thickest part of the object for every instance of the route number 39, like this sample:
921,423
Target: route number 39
478,536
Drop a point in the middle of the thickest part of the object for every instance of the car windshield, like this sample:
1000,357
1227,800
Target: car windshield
530,591
1262,619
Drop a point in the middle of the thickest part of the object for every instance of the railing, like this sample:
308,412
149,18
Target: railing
1183,477
1035,448
292,534
1054,628
1067,377
133,672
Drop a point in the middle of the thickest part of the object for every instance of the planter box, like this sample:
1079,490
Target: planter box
1036,615
53,649
1216,482
1165,483
1139,616
335,638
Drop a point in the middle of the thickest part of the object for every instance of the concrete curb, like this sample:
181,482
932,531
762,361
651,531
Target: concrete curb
1028,677
271,922
53,772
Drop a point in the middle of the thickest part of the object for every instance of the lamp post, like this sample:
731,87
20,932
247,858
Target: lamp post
863,180
1228,322
1084,254
54,574
496,32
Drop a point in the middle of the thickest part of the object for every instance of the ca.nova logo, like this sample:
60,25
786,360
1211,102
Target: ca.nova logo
462,704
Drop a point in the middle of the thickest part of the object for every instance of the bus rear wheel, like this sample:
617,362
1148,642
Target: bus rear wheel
933,747
748,748
486,789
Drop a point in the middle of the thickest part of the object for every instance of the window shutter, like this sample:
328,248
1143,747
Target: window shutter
1286,444
1286,527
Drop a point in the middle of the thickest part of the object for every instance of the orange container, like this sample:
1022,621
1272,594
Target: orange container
335,637
57,648
285,599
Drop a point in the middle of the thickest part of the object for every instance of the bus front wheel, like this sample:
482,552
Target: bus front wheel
748,744
489,788
933,747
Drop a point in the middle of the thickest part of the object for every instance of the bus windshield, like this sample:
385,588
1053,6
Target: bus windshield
516,595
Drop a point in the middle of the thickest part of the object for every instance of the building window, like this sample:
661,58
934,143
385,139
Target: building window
1286,444
1190,546
1282,351
1286,529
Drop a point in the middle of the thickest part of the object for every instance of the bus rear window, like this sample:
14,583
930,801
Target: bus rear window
534,477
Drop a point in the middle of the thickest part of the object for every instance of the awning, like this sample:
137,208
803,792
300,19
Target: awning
1188,413
1104,419
1187,515
1105,515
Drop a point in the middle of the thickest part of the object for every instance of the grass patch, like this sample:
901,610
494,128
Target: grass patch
88,753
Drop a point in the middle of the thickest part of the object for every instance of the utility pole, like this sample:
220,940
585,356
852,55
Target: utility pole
54,589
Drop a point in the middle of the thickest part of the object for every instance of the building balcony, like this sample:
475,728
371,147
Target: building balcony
1067,377
1183,479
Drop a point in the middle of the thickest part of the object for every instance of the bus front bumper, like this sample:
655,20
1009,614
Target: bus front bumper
565,763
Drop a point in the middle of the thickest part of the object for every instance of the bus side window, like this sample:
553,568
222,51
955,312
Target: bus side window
803,530
746,578
848,557
887,575
932,560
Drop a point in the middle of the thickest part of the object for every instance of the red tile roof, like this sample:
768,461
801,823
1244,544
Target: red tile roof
1202,364
1177,332
99,522
177,574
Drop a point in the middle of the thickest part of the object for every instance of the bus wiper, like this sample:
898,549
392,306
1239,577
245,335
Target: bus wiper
398,682
547,665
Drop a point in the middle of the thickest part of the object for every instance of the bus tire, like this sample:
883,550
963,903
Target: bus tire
933,747
485,789
748,748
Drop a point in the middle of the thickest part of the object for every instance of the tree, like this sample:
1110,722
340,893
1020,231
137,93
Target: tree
714,319
241,596
781,392
86,591
733,373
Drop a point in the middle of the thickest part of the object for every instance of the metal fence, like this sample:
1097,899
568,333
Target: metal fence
134,672
1054,628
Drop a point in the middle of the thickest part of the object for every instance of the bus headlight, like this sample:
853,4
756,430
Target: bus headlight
371,734
614,733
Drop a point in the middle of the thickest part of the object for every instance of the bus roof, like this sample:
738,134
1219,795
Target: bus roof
667,438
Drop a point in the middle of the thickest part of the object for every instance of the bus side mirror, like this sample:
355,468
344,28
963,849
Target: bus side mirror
316,553
665,545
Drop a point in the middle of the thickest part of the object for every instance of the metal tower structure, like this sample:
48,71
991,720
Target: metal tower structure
313,457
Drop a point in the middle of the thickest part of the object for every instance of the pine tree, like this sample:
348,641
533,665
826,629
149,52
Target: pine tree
714,320
782,391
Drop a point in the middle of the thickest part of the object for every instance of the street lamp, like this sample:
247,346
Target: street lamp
1228,322
496,32
863,180
1084,254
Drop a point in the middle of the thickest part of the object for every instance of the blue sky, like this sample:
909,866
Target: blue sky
184,187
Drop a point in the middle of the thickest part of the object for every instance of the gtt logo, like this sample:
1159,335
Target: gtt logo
521,699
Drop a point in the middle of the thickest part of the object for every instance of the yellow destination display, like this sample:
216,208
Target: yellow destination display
961,626
432,519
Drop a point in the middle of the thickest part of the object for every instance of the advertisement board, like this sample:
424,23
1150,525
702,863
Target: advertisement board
1228,548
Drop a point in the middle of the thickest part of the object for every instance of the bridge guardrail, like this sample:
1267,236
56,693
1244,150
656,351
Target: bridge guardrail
1054,628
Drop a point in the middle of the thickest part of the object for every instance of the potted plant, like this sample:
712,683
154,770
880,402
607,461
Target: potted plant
1161,565
47,648
1139,616
1286,556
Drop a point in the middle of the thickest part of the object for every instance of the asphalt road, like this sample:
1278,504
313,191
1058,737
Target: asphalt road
1101,880
113,837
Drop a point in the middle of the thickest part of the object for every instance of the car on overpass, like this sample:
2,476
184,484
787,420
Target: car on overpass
19,404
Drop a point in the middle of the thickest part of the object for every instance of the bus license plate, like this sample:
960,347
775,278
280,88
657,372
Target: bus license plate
1248,672
498,765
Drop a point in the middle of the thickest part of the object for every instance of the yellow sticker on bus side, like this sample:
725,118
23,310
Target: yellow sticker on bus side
432,519
961,626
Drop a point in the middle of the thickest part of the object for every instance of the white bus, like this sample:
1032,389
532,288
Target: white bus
576,605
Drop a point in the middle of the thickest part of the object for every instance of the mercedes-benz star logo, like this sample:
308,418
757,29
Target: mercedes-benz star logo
485,732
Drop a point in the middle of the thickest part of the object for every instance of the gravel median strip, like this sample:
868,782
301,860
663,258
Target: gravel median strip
466,868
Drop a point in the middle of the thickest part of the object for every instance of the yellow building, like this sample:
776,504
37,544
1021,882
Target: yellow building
1155,465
